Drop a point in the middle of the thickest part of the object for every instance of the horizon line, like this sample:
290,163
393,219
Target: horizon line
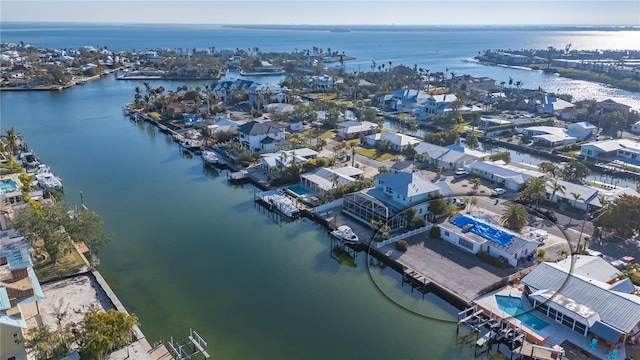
327,25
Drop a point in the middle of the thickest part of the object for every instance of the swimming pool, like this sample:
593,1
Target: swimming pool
298,189
513,306
484,229
8,185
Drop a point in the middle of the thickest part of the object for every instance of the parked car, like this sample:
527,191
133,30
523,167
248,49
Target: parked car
460,204
549,214
461,173
498,191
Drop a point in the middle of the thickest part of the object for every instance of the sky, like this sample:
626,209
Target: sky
328,12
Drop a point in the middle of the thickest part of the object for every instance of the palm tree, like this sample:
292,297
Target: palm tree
13,140
556,187
576,197
353,153
476,184
514,217
535,190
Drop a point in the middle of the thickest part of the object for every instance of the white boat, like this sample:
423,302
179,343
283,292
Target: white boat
210,157
344,233
41,169
49,181
29,159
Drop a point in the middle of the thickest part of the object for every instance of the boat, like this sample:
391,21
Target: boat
344,233
210,157
28,159
41,169
48,181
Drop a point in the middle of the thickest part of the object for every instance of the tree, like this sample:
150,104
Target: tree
576,197
409,153
438,206
50,228
13,140
472,141
476,184
574,171
514,217
549,168
555,187
621,216
45,343
535,190
103,332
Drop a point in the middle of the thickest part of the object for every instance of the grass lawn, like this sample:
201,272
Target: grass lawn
68,264
328,134
371,153
155,116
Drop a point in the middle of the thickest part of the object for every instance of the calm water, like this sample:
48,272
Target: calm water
191,251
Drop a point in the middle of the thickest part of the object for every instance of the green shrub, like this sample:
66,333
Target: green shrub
402,245
435,231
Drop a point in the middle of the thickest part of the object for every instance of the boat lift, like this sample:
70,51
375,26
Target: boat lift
196,345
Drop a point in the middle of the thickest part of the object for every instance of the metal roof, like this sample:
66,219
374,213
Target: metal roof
606,332
518,174
407,184
593,267
5,304
624,286
620,311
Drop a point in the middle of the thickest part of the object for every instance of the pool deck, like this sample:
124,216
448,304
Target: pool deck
552,334
14,178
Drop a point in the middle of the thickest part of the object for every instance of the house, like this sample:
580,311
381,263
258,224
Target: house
393,193
19,292
322,82
583,294
552,105
610,105
509,176
548,135
403,100
586,194
623,149
469,82
480,233
434,105
398,141
354,129
325,179
261,136
284,158
581,130
261,95
450,158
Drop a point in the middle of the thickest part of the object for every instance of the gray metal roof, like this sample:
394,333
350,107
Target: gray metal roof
620,311
407,184
586,193
624,286
593,267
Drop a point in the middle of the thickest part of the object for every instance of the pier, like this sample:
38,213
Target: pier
416,281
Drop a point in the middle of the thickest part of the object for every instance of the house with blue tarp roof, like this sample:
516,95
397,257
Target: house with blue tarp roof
481,233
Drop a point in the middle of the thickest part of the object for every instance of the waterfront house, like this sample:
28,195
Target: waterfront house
398,141
482,84
322,82
284,158
261,136
587,194
480,233
392,194
434,105
508,176
450,158
550,136
354,129
19,292
403,100
608,150
583,294
325,179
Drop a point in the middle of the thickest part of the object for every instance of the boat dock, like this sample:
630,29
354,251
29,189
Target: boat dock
416,281
277,200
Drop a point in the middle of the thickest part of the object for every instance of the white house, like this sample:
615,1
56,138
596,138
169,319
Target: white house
477,233
398,141
353,129
326,179
623,149
583,294
581,130
261,136
586,194
434,105
553,105
322,82
450,158
261,95
393,193
548,135
284,158
507,176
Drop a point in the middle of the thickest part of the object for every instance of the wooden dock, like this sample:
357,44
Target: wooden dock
416,280
238,175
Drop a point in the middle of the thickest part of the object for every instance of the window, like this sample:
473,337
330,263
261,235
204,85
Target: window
446,233
465,243
16,337
388,190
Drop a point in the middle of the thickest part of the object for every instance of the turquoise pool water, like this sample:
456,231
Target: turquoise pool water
298,189
8,185
513,306
484,229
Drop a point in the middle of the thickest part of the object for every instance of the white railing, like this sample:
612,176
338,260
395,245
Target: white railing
332,205
405,235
